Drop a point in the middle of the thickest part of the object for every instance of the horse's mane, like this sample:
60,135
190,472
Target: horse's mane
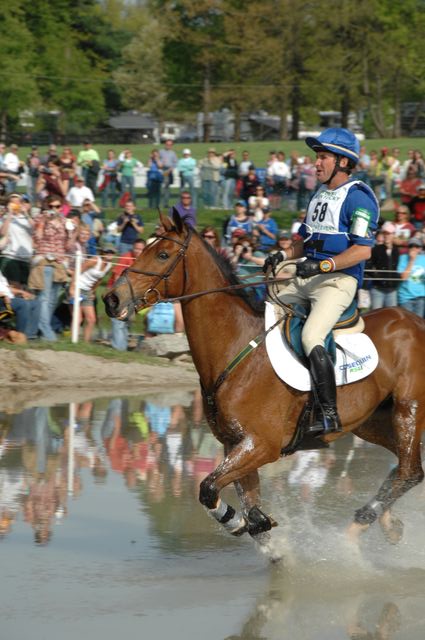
228,271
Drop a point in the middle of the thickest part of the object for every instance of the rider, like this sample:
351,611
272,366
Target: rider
337,238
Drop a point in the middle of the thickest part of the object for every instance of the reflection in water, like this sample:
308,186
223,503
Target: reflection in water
291,605
33,465
161,447
156,450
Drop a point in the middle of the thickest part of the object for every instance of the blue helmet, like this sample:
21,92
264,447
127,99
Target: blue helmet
342,142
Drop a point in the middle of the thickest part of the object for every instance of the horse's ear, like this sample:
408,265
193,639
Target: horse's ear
178,222
165,222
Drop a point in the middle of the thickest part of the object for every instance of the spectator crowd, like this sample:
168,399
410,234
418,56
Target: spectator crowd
66,195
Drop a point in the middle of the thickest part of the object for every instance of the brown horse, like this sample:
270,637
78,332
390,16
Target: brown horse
249,409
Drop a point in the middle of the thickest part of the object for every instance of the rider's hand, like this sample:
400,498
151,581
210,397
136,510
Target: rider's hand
273,259
309,268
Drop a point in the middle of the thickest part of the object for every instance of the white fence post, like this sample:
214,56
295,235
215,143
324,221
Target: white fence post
76,308
71,459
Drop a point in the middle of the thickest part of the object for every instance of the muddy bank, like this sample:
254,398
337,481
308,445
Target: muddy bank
34,377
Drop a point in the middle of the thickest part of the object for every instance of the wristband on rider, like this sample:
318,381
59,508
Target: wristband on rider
327,266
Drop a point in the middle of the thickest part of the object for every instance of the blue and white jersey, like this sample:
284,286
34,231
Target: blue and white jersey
338,219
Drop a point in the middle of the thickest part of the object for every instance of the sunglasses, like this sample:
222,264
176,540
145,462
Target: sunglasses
56,206
209,237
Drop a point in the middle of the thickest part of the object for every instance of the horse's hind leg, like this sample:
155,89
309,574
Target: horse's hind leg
239,466
405,442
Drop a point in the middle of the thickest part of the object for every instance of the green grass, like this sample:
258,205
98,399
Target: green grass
89,349
259,151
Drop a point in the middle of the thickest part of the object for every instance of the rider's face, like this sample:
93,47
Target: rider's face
325,164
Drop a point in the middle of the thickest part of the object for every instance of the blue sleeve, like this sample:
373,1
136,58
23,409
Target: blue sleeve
92,247
363,199
139,220
273,226
402,263
302,231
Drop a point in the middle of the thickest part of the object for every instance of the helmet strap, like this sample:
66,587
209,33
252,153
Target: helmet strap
336,169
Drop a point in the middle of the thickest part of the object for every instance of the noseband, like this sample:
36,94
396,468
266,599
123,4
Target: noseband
152,296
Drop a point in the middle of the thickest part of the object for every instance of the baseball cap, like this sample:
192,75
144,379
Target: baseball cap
187,152
388,227
336,140
109,248
240,203
238,233
420,186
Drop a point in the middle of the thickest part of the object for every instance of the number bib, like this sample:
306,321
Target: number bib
324,211
337,219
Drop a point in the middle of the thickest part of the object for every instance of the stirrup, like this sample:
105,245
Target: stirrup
328,422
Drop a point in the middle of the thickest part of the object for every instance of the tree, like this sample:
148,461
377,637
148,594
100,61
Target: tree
392,72
242,86
140,76
18,88
192,56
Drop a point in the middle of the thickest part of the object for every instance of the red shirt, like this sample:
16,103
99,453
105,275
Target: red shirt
124,261
409,189
417,208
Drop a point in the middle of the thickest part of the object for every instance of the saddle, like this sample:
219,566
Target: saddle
293,325
355,355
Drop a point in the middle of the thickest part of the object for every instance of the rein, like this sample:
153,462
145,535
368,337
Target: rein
181,255
209,395
232,287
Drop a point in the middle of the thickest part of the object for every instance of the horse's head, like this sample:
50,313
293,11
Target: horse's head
158,274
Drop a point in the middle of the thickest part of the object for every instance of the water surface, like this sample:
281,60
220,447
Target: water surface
102,535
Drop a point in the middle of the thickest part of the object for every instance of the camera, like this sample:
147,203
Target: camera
45,170
245,250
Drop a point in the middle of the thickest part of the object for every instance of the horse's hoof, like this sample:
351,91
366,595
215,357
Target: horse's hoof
259,522
392,528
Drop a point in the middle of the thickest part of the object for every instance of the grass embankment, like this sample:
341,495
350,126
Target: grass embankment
259,151
89,349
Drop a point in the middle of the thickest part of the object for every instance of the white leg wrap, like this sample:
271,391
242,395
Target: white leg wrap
231,520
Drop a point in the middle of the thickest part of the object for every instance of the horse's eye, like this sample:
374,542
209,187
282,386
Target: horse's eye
163,255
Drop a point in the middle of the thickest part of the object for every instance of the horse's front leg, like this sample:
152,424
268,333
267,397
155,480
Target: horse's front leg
239,466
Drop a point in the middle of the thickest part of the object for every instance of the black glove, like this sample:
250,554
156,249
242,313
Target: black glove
308,268
273,259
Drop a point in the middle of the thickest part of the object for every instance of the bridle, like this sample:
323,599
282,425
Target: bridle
152,296
146,297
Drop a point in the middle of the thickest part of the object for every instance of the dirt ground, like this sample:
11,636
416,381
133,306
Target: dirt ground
34,377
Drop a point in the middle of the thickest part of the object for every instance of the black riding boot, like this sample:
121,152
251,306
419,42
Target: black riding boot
323,377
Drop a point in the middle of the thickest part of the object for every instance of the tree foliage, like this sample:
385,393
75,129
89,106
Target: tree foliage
87,58
140,77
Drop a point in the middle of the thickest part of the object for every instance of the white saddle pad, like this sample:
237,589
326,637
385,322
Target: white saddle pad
356,359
